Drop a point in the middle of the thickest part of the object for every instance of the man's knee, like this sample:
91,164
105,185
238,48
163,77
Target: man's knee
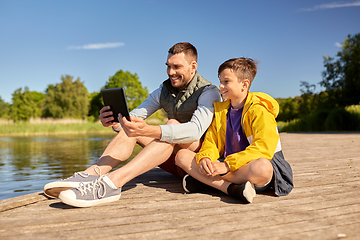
180,155
172,121
183,156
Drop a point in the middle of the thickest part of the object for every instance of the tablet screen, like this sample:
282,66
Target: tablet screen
115,98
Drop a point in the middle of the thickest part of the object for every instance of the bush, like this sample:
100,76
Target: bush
289,126
338,119
354,110
317,120
343,119
310,123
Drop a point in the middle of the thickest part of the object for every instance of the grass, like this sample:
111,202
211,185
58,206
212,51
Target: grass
41,126
354,109
51,127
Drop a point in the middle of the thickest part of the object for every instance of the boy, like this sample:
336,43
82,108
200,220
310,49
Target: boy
241,153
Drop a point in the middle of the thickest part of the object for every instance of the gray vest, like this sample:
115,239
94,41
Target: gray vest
181,105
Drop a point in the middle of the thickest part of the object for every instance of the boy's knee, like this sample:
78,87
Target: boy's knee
172,121
262,167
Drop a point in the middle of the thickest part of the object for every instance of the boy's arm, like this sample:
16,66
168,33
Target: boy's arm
265,139
210,146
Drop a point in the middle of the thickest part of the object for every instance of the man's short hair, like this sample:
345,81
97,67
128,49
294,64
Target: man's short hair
244,68
184,47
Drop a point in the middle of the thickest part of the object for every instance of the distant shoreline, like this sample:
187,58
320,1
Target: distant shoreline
40,126
26,134
51,127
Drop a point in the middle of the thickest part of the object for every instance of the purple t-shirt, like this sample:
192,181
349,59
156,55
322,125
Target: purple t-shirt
235,140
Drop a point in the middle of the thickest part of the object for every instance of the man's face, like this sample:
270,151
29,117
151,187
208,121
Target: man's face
179,70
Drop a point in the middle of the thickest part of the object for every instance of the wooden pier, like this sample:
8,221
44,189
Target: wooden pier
325,204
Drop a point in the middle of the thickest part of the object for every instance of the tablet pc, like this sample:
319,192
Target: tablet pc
115,98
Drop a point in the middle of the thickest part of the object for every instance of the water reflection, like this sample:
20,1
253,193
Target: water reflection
28,163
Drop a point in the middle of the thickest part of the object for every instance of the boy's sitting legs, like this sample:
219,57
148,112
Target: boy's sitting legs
236,184
258,172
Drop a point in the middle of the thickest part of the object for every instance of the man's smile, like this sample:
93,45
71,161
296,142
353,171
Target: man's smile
174,78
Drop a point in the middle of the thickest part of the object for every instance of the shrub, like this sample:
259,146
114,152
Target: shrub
339,120
317,120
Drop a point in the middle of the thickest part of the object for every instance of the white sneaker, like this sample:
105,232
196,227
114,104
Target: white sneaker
53,189
100,191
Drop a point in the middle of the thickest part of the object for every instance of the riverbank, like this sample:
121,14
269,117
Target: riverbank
38,127
51,127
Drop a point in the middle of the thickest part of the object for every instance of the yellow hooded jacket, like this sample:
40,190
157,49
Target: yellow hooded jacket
259,125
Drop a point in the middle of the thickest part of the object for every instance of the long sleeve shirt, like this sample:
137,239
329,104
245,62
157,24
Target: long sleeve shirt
184,132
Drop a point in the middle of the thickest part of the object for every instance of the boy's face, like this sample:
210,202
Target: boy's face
230,87
180,70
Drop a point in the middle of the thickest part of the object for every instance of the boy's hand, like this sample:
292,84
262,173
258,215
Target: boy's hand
220,168
206,167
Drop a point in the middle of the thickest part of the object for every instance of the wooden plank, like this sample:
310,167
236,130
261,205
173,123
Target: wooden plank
323,205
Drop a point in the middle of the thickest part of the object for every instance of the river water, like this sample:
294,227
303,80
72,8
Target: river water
28,163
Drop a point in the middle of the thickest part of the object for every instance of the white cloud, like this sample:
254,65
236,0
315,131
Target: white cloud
331,5
337,44
98,46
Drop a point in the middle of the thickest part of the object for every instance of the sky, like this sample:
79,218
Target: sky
40,41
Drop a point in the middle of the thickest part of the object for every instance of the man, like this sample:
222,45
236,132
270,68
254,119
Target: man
186,97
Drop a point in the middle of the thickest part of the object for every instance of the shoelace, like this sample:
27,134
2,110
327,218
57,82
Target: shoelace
82,174
97,188
85,174
92,186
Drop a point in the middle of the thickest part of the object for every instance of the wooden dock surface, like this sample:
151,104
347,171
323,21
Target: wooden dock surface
325,204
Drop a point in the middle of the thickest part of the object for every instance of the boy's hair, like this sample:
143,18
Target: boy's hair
184,47
244,68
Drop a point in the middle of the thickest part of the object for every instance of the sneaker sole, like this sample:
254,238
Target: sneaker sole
87,203
249,192
184,183
54,192
53,189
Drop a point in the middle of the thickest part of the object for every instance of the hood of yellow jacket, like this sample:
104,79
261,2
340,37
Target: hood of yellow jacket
259,98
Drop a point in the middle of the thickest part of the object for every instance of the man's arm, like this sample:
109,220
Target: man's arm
150,105
200,121
173,133
139,128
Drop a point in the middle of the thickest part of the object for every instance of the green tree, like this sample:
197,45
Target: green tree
26,104
95,105
289,109
135,92
68,99
342,75
4,109
307,98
